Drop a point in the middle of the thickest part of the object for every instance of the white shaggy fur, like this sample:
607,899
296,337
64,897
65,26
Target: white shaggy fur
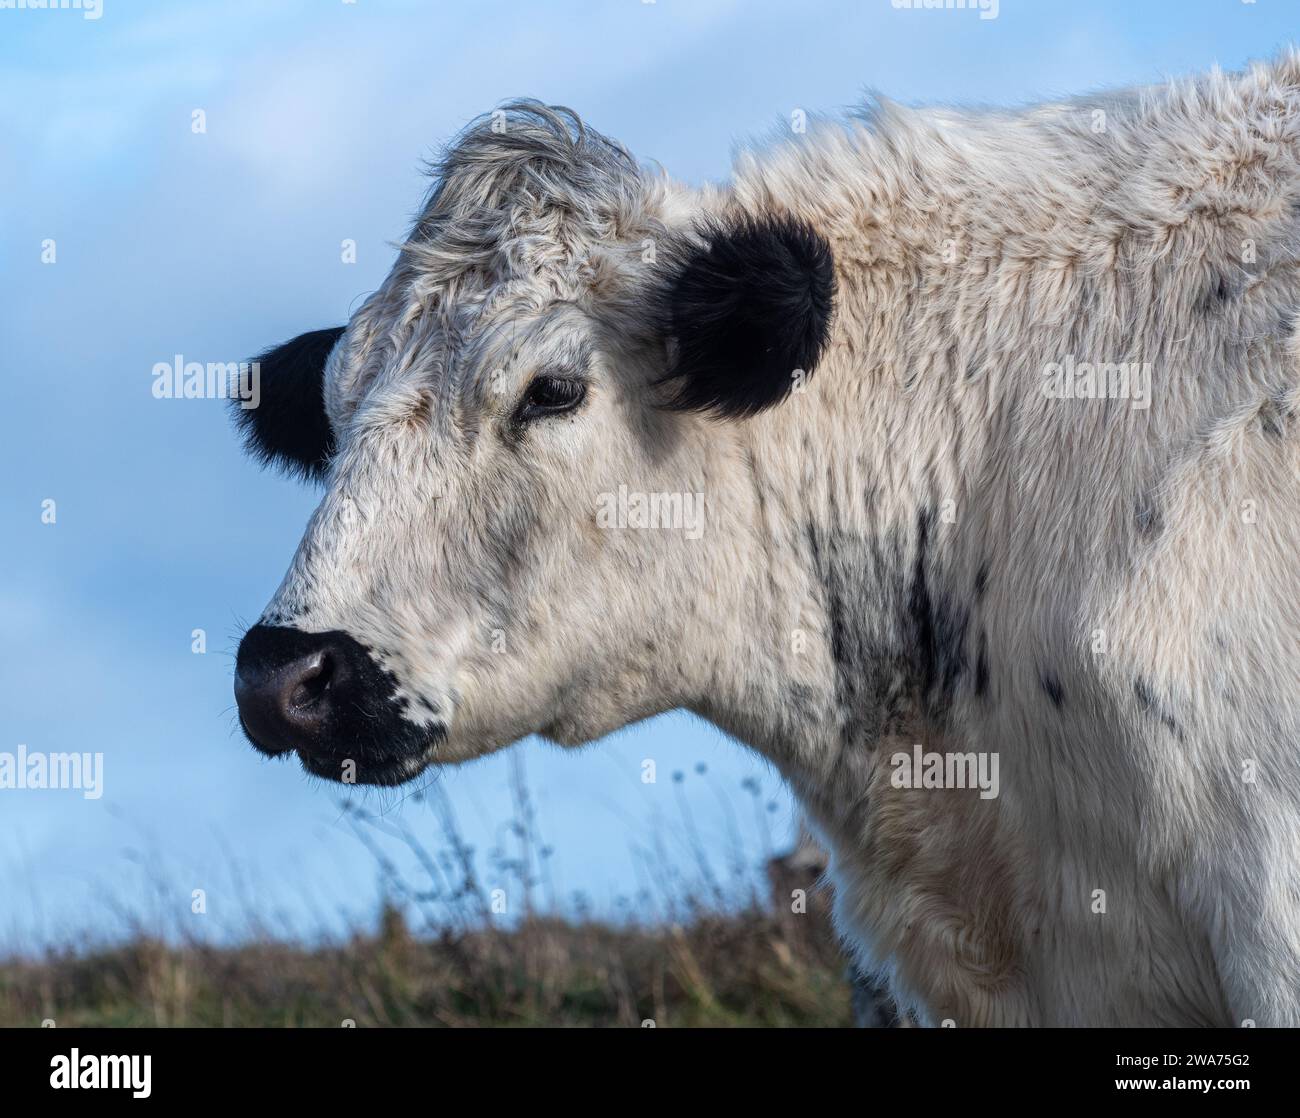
918,545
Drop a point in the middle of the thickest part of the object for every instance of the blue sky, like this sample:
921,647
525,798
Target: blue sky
216,245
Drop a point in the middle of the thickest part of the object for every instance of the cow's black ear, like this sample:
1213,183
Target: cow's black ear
288,426
749,309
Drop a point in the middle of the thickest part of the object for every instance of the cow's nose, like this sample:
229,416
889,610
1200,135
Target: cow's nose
288,684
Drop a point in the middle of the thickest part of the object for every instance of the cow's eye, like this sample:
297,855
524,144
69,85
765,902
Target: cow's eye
550,395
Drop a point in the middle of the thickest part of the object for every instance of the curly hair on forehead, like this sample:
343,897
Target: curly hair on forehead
525,170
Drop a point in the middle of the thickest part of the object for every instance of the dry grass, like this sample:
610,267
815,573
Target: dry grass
695,947
747,969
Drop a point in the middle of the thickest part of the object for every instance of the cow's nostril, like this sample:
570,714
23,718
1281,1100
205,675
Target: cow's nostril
314,681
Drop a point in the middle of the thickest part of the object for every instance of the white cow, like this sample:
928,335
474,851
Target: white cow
1031,527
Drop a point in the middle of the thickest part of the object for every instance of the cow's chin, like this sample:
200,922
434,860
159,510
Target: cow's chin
576,728
565,733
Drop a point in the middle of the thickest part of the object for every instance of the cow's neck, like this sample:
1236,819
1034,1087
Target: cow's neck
858,633
852,630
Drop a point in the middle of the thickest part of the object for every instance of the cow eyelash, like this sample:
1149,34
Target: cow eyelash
550,395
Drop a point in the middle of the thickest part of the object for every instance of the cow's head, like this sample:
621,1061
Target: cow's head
521,437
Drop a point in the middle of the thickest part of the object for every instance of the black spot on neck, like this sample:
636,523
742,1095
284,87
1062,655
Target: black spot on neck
1216,295
1052,686
1151,705
1147,516
1274,416
938,628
